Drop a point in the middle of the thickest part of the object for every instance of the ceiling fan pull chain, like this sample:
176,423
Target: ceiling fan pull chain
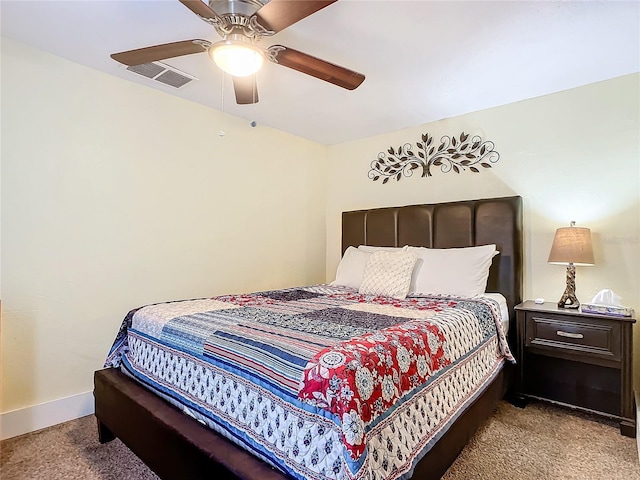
221,132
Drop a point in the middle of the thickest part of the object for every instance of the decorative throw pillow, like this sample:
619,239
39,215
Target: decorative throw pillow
452,271
388,274
351,268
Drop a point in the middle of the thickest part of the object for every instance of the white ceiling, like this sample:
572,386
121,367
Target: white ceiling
423,60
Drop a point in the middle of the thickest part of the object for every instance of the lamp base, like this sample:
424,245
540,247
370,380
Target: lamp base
569,299
567,303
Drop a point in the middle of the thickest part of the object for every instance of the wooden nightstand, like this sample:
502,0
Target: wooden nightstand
579,360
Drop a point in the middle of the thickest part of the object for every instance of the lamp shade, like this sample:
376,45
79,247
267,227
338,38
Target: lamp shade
237,58
572,245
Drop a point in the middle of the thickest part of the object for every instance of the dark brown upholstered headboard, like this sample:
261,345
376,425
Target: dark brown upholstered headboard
446,225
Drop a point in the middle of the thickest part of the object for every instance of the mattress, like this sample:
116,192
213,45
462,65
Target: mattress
320,381
504,309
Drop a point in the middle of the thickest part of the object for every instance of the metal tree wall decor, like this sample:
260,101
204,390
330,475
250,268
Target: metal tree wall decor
456,154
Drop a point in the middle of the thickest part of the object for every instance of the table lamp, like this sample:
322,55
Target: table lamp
571,246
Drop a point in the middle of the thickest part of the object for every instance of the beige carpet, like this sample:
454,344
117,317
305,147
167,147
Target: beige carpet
543,442
539,442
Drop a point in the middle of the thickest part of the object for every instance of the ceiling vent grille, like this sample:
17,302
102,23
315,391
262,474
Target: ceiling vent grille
163,73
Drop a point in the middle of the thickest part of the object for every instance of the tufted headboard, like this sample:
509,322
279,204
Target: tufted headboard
446,225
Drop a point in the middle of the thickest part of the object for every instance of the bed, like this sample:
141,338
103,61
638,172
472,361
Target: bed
146,417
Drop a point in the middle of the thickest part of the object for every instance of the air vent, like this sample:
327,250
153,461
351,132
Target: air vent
162,73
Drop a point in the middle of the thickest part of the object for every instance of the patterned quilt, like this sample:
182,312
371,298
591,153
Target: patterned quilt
320,381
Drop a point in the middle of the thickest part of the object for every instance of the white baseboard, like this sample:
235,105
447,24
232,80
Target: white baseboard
30,419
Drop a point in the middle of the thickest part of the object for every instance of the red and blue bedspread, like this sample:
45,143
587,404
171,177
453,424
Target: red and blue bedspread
319,381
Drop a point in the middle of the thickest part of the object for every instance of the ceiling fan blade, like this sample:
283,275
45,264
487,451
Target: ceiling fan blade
202,10
161,52
315,67
279,14
246,90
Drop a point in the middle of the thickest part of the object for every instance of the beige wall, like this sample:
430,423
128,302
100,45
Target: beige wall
113,200
574,155
115,195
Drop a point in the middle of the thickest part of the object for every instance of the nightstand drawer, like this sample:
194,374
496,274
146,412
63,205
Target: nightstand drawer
597,339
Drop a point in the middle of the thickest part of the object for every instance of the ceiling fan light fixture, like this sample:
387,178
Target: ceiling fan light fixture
237,58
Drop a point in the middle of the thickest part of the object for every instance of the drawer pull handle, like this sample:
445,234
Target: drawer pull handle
569,334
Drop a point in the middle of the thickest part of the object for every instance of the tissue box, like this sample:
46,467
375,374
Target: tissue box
607,310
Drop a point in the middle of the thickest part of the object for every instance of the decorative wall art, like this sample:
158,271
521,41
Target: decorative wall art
457,154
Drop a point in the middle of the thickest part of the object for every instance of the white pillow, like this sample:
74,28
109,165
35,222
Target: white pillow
388,274
461,272
351,268
372,249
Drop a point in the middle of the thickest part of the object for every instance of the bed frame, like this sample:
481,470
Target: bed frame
175,446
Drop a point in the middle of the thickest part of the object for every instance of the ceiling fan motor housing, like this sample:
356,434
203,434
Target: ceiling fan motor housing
237,16
235,7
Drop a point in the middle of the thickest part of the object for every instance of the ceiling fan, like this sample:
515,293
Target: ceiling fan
242,24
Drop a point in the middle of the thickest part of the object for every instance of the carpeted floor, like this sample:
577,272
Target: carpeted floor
543,442
540,442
